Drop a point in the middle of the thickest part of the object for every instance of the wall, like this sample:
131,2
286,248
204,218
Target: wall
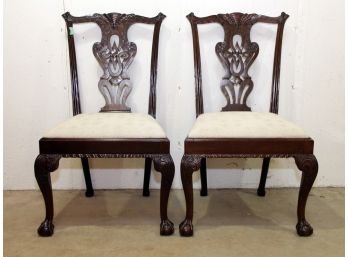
37,89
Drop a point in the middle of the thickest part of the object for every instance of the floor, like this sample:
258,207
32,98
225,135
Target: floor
232,222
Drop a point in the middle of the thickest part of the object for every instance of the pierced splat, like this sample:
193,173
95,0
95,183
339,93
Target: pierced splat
237,53
115,54
115,57
236,84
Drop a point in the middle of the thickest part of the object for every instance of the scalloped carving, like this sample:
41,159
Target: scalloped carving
239,19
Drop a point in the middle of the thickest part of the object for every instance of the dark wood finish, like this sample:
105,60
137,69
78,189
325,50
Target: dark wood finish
203,169
114,58
189,164
248,146
197,66
276,65
265,165
237,55
103,146
76,104
165,165
147,175
87,174
154,61
44,164
309,166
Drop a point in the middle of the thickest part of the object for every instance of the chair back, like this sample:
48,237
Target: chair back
236,54
114,54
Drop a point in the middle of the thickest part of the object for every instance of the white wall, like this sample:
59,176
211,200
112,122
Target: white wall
37,85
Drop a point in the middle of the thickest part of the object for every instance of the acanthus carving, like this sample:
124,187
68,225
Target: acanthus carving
307,163
163,162
237,53
46,163
191,162
238,19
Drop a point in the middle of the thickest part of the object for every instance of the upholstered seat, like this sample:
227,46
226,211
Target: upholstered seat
244,125
108,125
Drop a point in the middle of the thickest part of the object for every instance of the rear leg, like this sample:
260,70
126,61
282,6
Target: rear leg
265,165
87,175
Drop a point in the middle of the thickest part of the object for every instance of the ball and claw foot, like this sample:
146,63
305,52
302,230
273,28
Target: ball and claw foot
89,193
46,228
186,228
304,228
261,192
167,228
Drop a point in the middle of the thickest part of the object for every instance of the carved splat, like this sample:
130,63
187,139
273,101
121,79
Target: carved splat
237,53
115,54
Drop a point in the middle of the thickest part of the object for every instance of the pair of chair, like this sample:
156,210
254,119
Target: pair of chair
115,132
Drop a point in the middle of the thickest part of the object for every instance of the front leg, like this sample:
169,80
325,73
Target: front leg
44,164
309,166
165,165
189,164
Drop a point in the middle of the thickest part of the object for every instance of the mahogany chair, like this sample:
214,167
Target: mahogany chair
236,131
114,132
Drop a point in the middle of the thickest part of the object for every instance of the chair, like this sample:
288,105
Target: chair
114,132
236,131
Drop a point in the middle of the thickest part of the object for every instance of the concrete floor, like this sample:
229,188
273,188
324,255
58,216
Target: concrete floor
123,223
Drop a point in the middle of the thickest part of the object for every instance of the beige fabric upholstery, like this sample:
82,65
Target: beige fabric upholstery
108,125
244,125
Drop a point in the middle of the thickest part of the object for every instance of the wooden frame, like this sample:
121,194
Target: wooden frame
152,149
198,149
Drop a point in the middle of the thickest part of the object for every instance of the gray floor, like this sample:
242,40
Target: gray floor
123,223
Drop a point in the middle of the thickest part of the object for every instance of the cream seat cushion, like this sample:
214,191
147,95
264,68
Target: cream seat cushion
244,125
108,125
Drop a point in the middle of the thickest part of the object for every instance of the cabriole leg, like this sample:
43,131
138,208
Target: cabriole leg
189,164
309,166
44,164
265,164
165,165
